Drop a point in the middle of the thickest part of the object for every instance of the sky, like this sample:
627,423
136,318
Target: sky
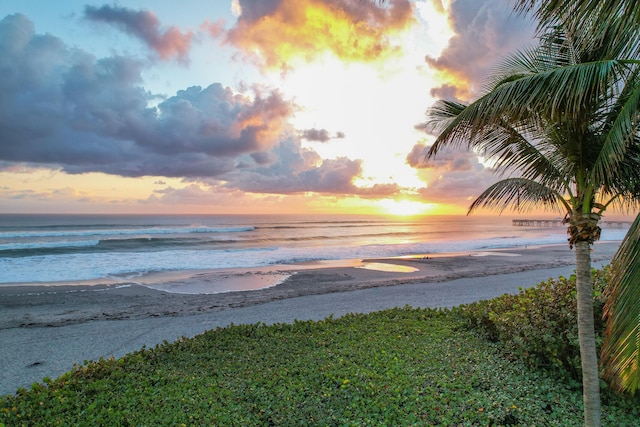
241,106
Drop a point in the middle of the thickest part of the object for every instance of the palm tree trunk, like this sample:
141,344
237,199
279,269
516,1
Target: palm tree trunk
587,336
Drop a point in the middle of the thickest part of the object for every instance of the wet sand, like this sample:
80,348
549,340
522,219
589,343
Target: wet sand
45,329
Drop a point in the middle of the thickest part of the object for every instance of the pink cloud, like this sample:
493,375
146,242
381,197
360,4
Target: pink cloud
144,25
485,31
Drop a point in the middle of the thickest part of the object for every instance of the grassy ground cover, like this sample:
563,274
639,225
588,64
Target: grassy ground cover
395,367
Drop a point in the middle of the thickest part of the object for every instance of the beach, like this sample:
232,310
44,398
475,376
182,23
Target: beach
45,330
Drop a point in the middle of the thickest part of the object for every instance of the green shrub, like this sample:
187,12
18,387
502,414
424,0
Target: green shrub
397,367
539,325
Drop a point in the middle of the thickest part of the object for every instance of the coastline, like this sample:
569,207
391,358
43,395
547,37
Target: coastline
54,326
161,294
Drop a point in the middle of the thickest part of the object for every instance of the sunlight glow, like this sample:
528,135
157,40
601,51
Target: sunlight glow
405,207
363,105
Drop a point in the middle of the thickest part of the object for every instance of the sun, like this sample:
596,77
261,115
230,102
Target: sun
405,207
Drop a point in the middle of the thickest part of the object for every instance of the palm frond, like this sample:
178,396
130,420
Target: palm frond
520,194
520,149
573,13
559,94
621,348
447,119
520,64
502,144
621,127
441,114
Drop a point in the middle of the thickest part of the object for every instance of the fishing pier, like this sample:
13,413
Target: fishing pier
557,222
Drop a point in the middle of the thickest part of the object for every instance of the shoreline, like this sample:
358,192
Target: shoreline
180,293
51,328
154,279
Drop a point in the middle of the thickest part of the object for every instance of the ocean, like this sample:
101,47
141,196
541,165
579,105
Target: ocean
74,248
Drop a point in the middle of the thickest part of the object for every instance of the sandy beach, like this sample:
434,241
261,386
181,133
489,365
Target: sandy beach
45,329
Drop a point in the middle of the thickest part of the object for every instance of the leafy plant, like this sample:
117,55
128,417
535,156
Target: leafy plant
396,367
539,325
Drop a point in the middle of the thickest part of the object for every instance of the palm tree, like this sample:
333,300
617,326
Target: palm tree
560,124
621,348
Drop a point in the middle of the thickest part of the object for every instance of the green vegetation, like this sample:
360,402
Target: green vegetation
539,325
396,367
560,124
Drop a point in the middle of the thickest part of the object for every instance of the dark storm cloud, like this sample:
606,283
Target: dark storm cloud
485,31
64,108
167,43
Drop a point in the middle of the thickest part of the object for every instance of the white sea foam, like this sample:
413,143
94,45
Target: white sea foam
121,232
47,244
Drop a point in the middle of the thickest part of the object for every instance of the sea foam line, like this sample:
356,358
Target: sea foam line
48,245
123,232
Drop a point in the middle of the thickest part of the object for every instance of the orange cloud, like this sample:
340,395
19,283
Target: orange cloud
279,31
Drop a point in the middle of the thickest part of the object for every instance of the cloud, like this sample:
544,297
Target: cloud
485,31
168,43
452,176
320,135
417,157
215,29
192,194
66,194
214,197
276,32
299,170
64,108
448,91
447,159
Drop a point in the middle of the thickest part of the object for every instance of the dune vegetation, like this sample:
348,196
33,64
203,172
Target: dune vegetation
504,362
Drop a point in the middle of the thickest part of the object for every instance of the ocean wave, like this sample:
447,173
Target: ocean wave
121,231
135,244
9,247
333,224
125,265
